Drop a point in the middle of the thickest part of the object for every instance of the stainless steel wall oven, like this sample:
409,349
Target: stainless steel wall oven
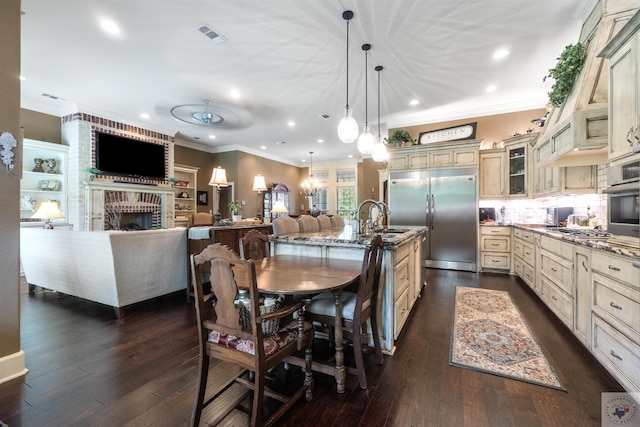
624,199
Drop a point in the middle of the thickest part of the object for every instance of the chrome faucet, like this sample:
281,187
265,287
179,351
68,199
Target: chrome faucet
372,224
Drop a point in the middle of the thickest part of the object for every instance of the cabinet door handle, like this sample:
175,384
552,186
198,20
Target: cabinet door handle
527,253
611,303
553,297
611,267
629,136
614,354
495,244
554,270
584,265
403,277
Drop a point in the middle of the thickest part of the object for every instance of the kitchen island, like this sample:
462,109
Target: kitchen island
401,279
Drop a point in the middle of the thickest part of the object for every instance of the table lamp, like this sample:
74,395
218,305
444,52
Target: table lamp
279,207
218,180
48,210
259,185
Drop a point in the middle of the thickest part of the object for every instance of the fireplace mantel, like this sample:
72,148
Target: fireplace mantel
135,197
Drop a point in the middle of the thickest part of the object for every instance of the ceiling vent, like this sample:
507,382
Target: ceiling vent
216,37
325,116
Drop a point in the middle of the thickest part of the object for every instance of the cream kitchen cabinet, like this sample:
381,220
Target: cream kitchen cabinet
582,295
491,174
616,317
445,154
556,275
495,248
44,178
524,256
623,52
564,180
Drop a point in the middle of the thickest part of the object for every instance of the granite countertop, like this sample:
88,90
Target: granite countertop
604,245
391,237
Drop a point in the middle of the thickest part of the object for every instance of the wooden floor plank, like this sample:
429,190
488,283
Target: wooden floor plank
87,368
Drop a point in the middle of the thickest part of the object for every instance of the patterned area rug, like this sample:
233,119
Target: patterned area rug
490,335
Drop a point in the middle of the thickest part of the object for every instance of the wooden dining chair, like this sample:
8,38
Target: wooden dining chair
255,352
254,245
357,307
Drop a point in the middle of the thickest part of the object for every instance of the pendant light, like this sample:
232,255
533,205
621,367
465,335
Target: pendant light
379,152
365,141
348,127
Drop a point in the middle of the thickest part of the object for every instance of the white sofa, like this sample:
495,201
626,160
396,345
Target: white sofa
115,268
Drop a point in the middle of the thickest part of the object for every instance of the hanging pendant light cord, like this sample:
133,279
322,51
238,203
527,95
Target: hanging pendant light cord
347,106
378,69
366,91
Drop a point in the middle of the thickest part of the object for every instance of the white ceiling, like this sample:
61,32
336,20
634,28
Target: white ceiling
287,58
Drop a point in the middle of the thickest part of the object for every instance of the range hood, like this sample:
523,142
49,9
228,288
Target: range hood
576,133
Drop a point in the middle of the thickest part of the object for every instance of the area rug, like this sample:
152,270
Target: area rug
490,335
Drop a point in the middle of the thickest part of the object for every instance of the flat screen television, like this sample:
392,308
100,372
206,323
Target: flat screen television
120,156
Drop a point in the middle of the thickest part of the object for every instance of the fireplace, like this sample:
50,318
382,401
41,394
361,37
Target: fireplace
118,206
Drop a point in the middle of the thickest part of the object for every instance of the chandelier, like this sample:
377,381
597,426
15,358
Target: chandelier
310,187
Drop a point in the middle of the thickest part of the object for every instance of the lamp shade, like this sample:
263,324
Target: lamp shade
48,210
279,207
259,184
365,141
218,178
379,152
348,128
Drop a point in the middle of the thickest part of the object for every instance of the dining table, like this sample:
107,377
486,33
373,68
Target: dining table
304,276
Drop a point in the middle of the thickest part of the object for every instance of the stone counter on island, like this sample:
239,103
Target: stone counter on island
401,279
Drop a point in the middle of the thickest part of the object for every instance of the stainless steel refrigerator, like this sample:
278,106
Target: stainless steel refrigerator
445,200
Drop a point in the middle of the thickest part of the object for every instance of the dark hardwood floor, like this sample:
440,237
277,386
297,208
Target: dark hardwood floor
88,369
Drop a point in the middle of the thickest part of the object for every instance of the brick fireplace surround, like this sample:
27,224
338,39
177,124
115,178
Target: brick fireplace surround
93,200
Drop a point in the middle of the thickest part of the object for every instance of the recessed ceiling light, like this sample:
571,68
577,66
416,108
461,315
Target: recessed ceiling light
500,53
291,124
491,88
304,160
280,142
414,102
321,141
109,26
212,137
350,156
234,93
264,147
144,115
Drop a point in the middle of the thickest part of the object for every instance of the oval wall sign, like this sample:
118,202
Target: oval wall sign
467,131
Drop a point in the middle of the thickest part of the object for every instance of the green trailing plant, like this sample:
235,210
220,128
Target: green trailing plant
570,63
234,207
173,179
399,137
93,171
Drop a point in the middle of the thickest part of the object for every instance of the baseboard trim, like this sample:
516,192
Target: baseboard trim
12,366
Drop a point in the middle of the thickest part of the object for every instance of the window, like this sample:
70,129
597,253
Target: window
346,201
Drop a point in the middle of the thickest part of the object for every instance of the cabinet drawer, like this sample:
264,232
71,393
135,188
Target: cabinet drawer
559,248
619,302
402,276
518,248
559,270
496,243
401,309
559,302
501,261
492,230
518,266
620,355
402,252
525,235
529,275
529,254
616,267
